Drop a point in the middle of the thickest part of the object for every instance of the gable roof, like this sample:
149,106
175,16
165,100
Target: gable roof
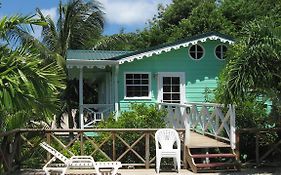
92,58
172,46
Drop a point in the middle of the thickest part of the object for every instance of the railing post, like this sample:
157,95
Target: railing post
257,148
81,143
113,146
18,149
147,150
184,151
232,126
237,148
48,134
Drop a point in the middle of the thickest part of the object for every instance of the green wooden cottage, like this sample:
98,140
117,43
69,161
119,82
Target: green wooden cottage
177,72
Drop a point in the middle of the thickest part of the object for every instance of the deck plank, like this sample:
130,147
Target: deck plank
200,141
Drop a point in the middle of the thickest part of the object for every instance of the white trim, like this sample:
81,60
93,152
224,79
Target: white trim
171,74
89,63
149,87
196,53
175,47
221,59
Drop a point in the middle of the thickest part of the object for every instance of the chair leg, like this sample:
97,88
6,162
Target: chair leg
175,163
114,171
63,171
158,161
178,163
98,171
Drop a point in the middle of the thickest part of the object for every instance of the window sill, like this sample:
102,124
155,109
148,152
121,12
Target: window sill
137,98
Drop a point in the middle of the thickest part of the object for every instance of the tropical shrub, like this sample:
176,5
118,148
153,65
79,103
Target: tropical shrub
138,116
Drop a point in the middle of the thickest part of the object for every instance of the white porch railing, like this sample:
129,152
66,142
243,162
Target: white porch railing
94,113
212,119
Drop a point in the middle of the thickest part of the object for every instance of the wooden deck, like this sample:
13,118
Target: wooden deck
253,171
200,141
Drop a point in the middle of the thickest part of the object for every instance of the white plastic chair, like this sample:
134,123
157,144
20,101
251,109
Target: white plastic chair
76,162
167,138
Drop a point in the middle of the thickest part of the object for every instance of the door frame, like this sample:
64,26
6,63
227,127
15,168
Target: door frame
160,76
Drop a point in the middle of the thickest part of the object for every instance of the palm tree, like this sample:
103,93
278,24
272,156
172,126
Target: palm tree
79,23
26,82
79,26
254,67
254,62
29,87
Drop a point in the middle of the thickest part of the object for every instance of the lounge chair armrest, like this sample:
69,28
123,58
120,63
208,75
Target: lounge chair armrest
82,157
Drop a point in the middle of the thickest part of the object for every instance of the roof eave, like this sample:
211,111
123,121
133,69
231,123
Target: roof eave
89,63
173,46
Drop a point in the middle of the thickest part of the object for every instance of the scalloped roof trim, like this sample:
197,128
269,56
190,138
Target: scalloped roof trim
168,48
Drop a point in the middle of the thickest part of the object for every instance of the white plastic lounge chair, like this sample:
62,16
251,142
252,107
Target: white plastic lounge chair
76,162
167,138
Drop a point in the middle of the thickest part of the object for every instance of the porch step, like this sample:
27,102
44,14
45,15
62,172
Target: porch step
213,165
213,155
211,159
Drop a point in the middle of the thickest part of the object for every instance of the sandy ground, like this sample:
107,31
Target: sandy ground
252,171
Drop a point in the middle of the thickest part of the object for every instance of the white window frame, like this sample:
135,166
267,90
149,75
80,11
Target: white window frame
138,98
182,85
196,52
221,59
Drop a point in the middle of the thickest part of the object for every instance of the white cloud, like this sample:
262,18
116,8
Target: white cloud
52,12
129,12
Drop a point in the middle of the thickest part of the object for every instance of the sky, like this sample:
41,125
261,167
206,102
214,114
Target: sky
129,15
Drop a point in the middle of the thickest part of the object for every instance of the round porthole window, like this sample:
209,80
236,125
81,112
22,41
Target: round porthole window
196,51
220,51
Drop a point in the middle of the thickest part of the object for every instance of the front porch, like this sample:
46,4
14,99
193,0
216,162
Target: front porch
200,126
134,154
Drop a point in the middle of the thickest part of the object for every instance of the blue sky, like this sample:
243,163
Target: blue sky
130,15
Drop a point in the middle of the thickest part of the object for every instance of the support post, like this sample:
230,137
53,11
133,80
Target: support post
81,109
107,88
116,90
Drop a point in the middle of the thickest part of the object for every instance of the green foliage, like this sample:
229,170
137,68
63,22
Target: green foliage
183,18
139,116
253,66
28,85
240,12
251,114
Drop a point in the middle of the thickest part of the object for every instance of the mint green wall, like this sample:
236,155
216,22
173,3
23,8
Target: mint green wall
199,74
